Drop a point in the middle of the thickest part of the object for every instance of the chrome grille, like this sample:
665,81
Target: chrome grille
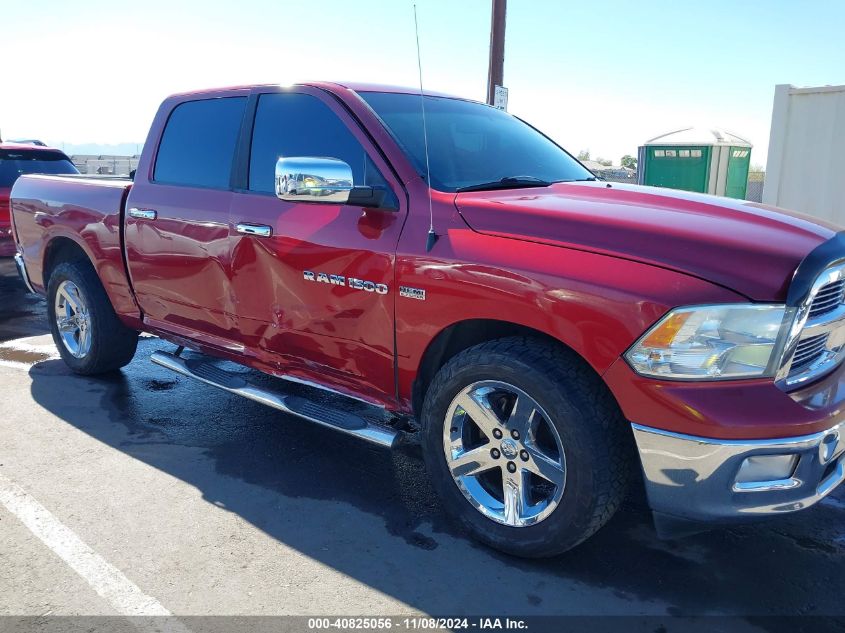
828,298
818,346
809,350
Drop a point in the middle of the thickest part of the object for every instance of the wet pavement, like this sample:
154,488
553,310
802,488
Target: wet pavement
219,505
21,313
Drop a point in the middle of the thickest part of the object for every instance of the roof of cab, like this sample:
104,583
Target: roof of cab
328,85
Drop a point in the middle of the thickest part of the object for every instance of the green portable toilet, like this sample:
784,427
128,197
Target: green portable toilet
696,159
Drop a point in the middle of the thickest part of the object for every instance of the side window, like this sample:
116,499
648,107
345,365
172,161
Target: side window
302,125
198,143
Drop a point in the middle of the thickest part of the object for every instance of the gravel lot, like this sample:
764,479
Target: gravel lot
207,504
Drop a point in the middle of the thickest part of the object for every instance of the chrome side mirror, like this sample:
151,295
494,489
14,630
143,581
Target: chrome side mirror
309,179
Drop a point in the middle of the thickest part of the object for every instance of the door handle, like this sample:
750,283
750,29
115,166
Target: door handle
143,214
258,230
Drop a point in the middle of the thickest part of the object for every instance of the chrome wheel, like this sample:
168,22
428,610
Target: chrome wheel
504,454
72,319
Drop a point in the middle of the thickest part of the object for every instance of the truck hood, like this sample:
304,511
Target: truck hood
747,247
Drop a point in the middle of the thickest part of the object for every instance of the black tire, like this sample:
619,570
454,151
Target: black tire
597,442
112,344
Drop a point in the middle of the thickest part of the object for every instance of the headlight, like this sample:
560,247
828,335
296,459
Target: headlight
711,343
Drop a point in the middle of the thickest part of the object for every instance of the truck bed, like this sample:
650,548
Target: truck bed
83,210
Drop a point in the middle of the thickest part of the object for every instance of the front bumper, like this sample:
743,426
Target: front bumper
699,479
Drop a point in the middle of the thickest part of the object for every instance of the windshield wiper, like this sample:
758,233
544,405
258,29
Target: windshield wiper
510,182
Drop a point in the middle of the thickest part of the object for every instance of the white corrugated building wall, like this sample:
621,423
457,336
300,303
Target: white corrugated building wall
804,170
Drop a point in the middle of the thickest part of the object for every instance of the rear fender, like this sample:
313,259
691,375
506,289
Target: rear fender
89,216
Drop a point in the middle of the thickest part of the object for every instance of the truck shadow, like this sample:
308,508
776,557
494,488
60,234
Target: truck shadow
271,469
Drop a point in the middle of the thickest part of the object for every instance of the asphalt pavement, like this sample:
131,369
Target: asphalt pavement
146,491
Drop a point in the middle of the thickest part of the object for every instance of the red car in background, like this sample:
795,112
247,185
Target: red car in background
17,159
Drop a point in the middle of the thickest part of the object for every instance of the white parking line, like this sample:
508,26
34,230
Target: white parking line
32,344
108,581
15,365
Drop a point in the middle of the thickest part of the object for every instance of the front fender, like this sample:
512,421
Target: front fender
595,304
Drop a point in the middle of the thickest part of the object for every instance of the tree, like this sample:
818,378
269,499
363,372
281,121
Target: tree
604,161
584,154
628,161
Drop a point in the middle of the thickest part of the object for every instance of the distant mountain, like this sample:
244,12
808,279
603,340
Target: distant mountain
97,149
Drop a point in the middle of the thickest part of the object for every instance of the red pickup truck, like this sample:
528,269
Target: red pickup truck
546,337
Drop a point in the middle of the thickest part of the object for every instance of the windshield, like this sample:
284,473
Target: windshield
16,162
472,145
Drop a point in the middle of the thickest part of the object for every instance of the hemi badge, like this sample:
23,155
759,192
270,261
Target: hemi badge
412,293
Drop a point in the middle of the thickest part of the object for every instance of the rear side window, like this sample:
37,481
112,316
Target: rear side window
198,143
288,125
15,163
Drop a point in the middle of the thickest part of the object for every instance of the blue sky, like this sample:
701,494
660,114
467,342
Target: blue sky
599,76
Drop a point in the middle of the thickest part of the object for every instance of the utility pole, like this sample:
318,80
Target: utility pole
495,75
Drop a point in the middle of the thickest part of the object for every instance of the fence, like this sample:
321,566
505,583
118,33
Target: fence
105,165
754,192
618,175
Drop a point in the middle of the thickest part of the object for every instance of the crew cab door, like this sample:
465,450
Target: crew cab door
177,235
296,266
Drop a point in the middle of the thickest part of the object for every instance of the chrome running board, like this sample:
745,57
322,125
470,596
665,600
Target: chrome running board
321,414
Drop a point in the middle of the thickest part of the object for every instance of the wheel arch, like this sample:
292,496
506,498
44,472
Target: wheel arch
63,248
462,335
60,250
